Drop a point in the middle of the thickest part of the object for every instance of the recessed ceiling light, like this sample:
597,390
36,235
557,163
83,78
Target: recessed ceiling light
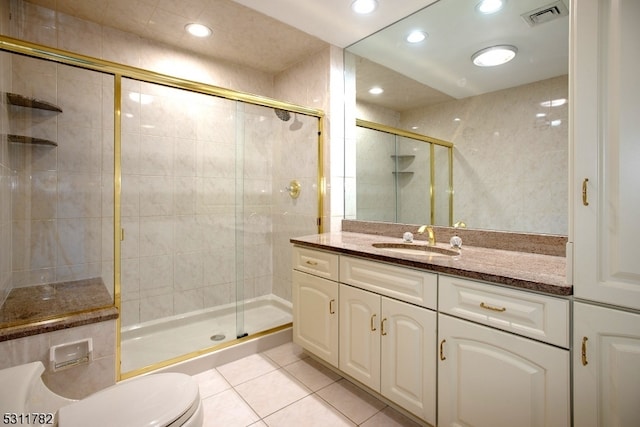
490,6
416,36
376,90
494,55
363,7
198,30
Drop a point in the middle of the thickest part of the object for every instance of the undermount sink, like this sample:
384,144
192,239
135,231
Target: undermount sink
415,249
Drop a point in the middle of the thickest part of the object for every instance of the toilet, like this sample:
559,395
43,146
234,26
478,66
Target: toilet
156,400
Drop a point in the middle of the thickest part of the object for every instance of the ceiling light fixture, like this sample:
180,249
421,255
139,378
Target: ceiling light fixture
376,90
198,30
416,36
488,7
494,55
364,7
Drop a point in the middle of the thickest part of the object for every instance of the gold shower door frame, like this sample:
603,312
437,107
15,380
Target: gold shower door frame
120,71
432,143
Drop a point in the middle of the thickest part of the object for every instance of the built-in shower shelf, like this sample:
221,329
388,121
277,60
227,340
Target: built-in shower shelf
403,156
25,101
29,140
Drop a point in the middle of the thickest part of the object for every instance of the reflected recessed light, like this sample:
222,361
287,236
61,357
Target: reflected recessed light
495,55
376,90
554,102
363,7
140,98
490,6
416,36
198,30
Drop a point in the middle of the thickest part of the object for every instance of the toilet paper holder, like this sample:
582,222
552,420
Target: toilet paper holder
67,355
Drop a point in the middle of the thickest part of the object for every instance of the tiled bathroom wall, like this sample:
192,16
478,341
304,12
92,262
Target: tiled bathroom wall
509,157
57,192
160,153
5,169
509,152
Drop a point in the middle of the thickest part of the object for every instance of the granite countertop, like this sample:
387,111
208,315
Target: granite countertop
45,308
532,271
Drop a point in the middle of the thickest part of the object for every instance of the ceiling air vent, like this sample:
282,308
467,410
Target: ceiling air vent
545,13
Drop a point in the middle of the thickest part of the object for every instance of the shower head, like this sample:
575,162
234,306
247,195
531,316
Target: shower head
283,115
297,124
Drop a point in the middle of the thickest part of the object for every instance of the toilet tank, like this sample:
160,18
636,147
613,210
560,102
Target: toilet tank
27,393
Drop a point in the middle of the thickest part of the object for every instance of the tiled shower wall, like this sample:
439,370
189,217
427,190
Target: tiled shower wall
58,225
5,170
289,217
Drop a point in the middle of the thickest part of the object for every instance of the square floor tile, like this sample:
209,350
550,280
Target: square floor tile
271,392
227,409
286,354
247,368
353,402
312,373
311,411
211,382
389,417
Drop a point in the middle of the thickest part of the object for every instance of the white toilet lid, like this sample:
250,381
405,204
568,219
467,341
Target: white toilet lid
152,401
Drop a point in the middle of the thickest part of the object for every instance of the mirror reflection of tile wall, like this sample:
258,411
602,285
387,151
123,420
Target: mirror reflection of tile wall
510,154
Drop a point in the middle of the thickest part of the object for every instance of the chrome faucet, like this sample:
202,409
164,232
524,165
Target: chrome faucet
430,233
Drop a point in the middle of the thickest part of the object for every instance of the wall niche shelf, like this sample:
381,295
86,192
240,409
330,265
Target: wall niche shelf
24,101
28,102
21,139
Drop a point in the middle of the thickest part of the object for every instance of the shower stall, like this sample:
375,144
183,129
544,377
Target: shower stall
178,198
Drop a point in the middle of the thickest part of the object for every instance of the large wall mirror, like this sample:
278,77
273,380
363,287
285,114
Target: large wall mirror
508,123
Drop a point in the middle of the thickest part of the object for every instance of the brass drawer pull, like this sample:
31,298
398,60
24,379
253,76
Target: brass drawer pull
585,200
373,323
489,307
311,262
584,351
442,357
382,331
332,310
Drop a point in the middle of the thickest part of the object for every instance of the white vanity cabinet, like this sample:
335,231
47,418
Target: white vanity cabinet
315,302
488,377
385,343
605,209
606,152
388,345
606,360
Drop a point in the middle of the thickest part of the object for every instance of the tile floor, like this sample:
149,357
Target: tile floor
285,387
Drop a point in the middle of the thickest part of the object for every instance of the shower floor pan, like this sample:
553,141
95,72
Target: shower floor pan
155,341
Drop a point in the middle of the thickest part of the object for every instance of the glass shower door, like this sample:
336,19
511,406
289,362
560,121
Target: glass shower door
178,210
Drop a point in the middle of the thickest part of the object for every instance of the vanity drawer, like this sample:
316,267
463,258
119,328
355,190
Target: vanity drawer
525,313
318,263
412,286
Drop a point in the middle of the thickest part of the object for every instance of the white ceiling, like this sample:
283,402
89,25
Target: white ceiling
333,20
273,35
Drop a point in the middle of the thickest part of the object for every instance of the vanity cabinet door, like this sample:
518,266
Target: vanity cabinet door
360,335
315,315
606,367
606,153
408,374
492,378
